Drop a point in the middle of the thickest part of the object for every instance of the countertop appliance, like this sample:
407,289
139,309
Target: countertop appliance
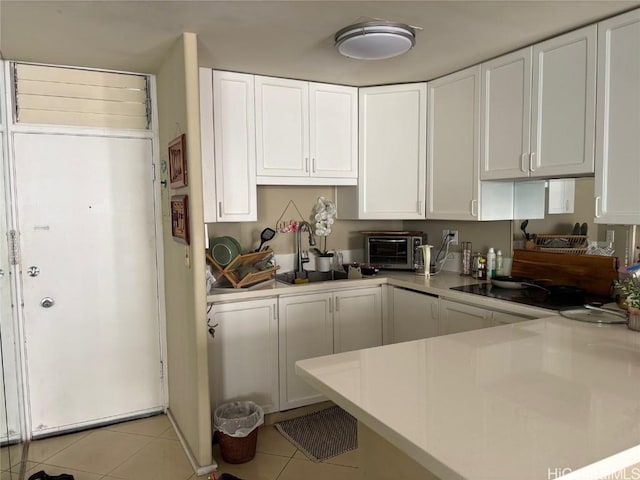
530,297
394,250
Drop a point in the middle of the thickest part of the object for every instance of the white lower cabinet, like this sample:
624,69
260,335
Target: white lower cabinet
503,318
458,317
357,319
414,315
312,325
243,355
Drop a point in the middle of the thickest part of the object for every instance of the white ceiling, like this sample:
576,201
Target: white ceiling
283,38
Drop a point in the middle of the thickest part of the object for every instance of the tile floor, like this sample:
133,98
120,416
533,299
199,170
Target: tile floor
148,449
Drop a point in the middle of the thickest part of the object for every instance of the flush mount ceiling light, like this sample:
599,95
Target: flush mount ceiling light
375,40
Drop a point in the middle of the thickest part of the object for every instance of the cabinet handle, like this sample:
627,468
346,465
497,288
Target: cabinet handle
330,305
566,205
306,165
313,165
219,210
420,207
532,161
337,304
597,207
275,312
523,163
474,207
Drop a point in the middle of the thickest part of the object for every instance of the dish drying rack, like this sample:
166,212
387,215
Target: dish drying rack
573,244
231,272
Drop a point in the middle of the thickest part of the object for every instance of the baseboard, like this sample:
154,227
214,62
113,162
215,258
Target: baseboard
199,470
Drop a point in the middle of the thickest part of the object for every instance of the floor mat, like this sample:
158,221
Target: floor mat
323,434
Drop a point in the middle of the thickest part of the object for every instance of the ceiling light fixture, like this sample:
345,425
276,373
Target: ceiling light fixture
375,40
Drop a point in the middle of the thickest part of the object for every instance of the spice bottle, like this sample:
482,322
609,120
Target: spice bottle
499,263
482,269
491,263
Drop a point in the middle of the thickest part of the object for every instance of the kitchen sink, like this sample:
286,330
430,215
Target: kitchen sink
310,275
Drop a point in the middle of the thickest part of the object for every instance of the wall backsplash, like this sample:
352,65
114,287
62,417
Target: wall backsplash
272,200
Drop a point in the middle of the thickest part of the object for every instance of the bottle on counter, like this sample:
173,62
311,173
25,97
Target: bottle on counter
482,269
499,263
491,263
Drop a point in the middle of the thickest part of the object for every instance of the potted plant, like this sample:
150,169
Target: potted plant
630,287
324,215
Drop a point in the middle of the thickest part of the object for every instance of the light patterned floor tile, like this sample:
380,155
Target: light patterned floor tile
152,426
100,452
159,460
169,434
271,441
348,459
55,470
41,450
307,470
263,467
10,455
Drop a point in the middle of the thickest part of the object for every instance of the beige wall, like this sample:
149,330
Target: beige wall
178,112
272,201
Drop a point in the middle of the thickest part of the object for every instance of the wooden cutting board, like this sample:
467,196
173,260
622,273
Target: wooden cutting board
594,273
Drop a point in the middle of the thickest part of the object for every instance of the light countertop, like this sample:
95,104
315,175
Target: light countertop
530,400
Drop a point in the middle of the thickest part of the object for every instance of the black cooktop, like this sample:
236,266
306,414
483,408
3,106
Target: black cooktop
529,296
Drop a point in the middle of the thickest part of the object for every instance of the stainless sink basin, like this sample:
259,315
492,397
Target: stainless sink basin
310,275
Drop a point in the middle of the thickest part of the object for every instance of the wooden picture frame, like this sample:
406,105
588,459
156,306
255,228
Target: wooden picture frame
178,162
180,218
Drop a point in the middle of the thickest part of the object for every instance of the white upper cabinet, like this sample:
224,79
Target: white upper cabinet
562,193
453,153
227,123
618,124
506,116
563,106
282,127
333,134
306,132
392,156
538,109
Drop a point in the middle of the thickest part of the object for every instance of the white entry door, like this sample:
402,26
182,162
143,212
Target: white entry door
89,278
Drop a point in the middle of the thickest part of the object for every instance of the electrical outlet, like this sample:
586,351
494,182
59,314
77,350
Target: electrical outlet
611,235
453,240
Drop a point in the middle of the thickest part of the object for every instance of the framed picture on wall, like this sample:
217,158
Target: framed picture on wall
180,218
178,162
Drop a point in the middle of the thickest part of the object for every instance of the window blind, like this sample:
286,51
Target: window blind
71,96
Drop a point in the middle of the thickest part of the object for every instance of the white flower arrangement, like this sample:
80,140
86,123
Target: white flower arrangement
324,215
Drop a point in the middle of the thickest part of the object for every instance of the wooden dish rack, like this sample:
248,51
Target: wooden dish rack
232,271
573,244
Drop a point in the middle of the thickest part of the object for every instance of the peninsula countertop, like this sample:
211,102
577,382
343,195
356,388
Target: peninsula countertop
533,400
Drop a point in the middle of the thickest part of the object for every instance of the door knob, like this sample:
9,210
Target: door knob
47,302
33,271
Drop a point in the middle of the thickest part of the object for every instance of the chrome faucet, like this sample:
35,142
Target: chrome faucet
302,257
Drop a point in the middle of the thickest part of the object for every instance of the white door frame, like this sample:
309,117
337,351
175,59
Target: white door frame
152,134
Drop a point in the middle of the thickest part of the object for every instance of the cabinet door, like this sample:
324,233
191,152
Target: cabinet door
282,127
502,318
618,126
506,116
357,319
243,356
392,156
333,134
234,145
563,104
562,192
453,150
457,317
306,331
415,315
